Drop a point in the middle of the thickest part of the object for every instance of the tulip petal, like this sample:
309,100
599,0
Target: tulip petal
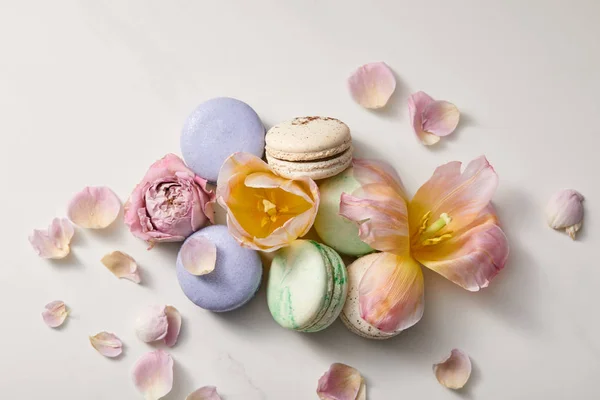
454,371
440,118
341,382
174,325
153,374
391,293
94,207
381,215
55,313
107,344
462,196
373,171
372,85
152,324
54,242
417,102
204,393
473,256
122,266
199,255
565,211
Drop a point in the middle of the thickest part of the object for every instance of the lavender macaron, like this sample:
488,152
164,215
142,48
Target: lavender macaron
232,283
216,129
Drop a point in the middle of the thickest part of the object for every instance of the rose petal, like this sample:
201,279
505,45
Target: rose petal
107,344
174,325
122,266
416,104
153,374
204,393
55,313
199,255
152,324
341,382
94,207
55,241
372,85
454,371
391,293
440,118
565,211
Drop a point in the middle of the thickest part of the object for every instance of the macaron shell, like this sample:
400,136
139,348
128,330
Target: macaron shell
351,313
333,229
235,279
315,170
216,129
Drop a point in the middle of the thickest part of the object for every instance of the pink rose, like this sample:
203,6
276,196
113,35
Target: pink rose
169,204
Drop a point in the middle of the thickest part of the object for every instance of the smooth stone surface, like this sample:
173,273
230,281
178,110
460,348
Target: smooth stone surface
216,129
333,229
233,282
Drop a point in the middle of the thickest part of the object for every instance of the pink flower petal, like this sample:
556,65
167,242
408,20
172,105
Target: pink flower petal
55,241
440,118
416,104
107,344
374,171
153,374
565,211
122,266
204,393
341,382
198,255
454,371
372,85
94,207
55,313
391,293
152,324
174,325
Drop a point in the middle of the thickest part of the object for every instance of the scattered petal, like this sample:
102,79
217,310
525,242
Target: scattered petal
107,344
174,325
95,207
152,324
199,255
372,85
565,211
454,371
204,393
341,382
55,314
122,266
153,374
432,119
55,241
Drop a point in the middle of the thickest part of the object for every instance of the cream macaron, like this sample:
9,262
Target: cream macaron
317,147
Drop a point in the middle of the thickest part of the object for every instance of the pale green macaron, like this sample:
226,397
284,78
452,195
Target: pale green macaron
335,230
307,286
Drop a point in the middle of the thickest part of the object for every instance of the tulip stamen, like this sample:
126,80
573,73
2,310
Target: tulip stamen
429,235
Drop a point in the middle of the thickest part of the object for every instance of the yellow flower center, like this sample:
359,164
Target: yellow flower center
271,211
430,234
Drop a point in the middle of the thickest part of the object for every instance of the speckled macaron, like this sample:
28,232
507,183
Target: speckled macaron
232,283
333,229
216,129
317,147
307,286
350,315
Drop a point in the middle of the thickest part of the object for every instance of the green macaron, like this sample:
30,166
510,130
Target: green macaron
307,286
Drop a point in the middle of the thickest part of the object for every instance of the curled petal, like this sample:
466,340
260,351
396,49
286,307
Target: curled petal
565,211
94,207
440,118
372,171
174,325
372,85
122,266
391,293
472,256
55,313
382,217
199,255
341,382
152,324
55,241
417,102
107,344
454,371
204,393
153,374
